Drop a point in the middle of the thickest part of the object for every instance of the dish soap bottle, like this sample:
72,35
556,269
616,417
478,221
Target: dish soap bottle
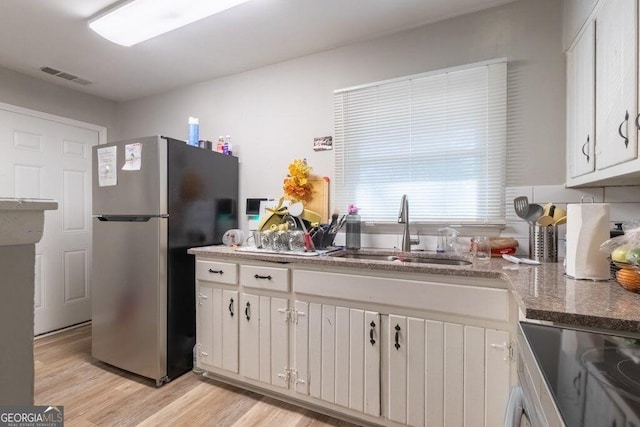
353,228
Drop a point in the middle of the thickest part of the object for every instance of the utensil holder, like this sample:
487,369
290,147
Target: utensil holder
323,239
543,243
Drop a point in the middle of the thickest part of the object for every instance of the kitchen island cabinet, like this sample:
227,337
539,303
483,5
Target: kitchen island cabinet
21,227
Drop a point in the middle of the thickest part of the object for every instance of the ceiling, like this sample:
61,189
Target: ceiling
54,33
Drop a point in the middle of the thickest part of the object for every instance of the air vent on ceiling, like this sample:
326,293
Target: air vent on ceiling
64,75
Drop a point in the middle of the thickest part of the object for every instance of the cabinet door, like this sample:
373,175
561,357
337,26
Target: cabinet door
337,352
581,139
250,337
616,83
497,376
397,350
229,324
217,332
446,374
279,345
301,347
371,385
264,339
204,327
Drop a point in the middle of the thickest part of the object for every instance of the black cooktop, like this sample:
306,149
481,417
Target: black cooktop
594,377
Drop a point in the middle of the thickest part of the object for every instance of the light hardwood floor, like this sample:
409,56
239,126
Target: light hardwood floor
96,394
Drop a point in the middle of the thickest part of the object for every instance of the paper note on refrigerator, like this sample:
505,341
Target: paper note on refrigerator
132,157
107,168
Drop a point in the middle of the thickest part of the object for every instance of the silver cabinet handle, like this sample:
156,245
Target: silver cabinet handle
626,138
586,145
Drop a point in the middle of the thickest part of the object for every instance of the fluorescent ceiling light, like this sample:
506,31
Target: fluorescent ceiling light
135,21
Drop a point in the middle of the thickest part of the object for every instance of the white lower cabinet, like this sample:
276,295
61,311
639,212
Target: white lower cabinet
445,373
217,328
372,347
264,339
338,355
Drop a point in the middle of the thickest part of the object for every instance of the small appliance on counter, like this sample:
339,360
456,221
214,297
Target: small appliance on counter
153,198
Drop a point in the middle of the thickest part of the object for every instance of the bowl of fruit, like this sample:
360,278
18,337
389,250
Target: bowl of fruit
626,259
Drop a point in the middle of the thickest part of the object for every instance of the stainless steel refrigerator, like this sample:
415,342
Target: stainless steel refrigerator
153,198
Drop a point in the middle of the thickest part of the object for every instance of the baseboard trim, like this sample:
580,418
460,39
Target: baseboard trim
66,328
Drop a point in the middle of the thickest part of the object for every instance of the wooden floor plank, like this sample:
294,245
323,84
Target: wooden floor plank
96,394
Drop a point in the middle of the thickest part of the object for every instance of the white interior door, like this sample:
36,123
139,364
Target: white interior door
49,158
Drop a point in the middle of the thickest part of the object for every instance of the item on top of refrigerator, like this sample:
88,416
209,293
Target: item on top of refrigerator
194,131
220,144
226,147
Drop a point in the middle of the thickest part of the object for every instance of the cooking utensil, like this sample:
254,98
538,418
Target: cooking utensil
545,221
535,211
560,221
521,206
547,217
559,213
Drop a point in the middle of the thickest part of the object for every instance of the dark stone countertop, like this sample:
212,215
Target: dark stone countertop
542,292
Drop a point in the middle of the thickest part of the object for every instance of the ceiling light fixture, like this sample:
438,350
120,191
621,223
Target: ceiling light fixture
135,21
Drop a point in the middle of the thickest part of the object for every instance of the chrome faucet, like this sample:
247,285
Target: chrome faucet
403,218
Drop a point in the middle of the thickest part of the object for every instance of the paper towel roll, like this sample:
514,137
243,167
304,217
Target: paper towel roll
587,229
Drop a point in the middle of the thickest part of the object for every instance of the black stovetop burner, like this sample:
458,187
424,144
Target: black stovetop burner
616,368
594,377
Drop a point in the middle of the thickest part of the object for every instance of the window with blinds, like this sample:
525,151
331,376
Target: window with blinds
438,137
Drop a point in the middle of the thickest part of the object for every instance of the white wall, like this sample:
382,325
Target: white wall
24,91
273,113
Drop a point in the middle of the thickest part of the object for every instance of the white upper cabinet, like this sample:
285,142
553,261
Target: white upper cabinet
581,102
574,14
616,83
602,97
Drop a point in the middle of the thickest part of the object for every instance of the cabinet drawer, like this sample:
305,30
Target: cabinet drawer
219,272
271,278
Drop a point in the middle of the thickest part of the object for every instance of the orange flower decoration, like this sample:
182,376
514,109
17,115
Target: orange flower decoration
296,184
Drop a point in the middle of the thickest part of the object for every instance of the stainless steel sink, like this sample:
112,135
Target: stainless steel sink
427,260
373,257
408,259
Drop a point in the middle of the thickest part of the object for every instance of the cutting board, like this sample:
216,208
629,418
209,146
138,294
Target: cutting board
320,201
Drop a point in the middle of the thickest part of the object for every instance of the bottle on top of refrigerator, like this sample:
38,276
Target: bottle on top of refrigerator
220,144
226,149
194,131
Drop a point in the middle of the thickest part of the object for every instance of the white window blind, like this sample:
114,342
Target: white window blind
438,137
